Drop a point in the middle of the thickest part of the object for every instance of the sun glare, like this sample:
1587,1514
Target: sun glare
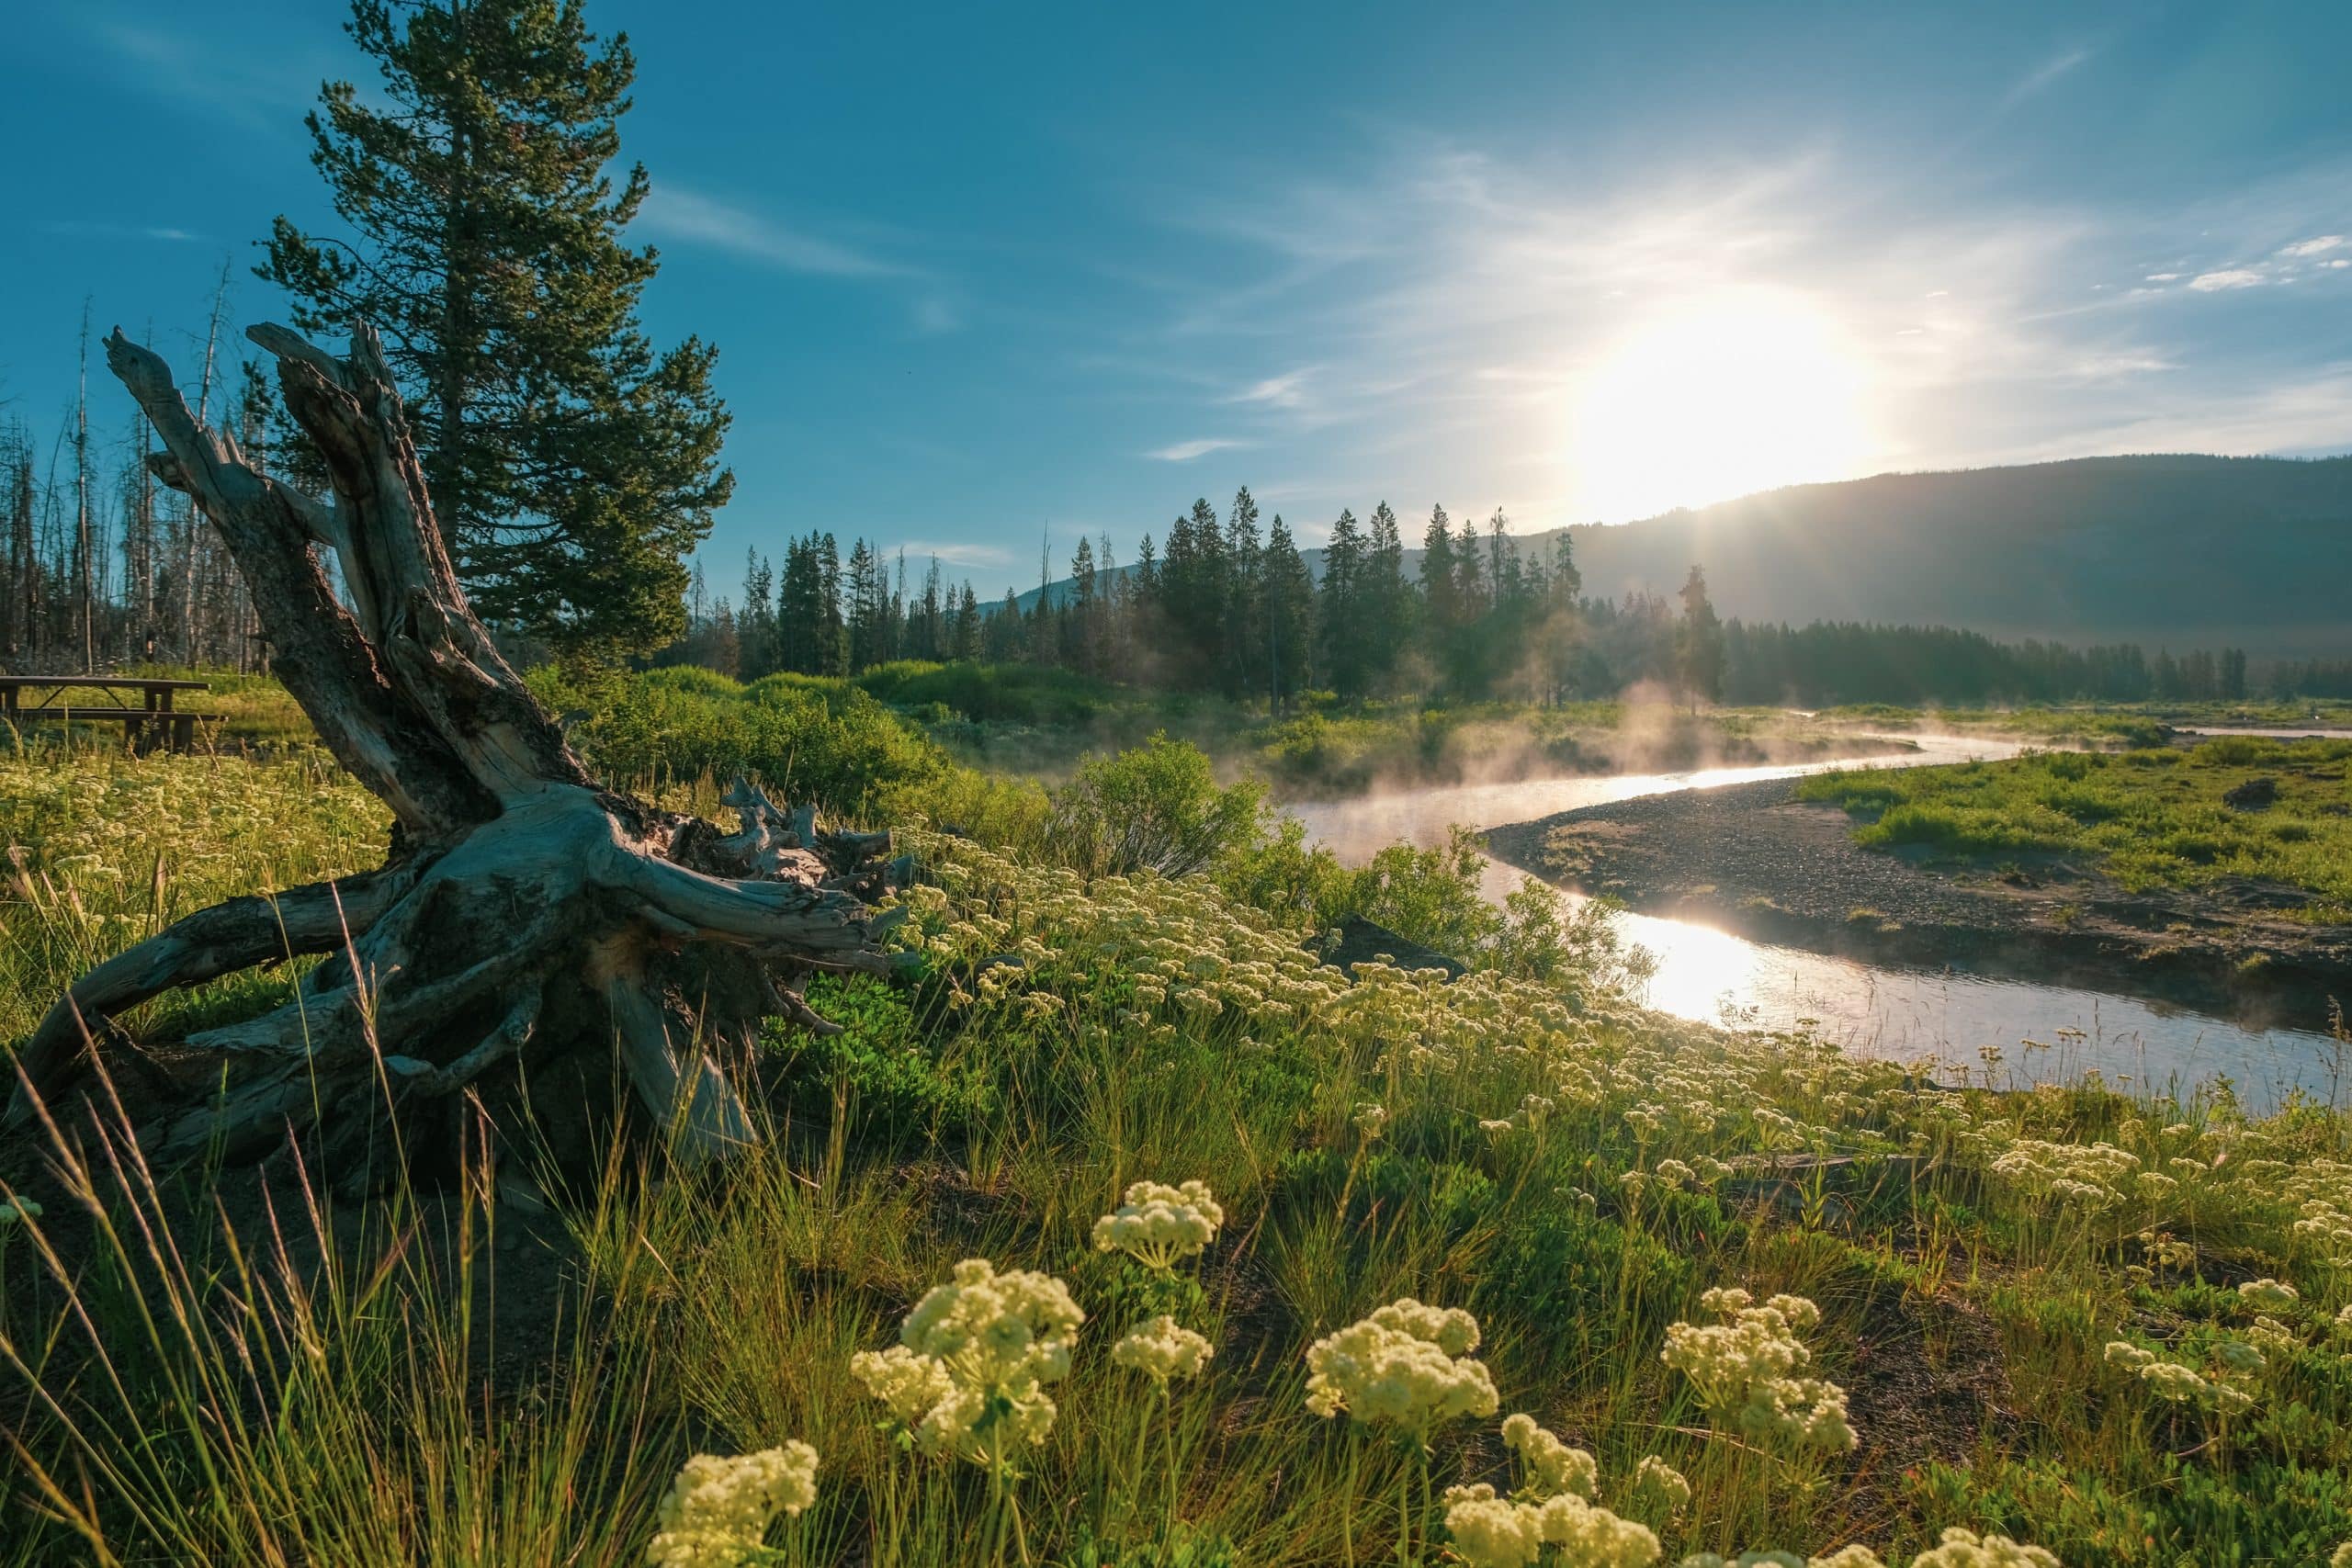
1738,393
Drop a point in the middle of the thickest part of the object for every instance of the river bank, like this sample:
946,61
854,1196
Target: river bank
1753,859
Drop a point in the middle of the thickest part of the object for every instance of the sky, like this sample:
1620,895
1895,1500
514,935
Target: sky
986,278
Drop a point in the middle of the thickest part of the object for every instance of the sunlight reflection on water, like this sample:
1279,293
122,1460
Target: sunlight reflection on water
1907,1014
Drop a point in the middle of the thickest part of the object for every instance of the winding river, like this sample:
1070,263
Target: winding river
2004,1031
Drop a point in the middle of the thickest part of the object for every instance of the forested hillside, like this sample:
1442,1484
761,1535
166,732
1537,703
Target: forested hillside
2175,552
2170,551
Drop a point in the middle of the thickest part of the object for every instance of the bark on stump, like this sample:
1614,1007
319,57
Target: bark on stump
535,941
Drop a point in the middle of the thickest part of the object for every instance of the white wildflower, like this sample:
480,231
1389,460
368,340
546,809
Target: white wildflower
1406,1365
2268,1295
1160,1224
1549,1465
1963,1549
1654,1474
717,1510
1163,1349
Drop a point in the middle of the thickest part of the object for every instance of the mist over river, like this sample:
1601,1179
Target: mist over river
1973,1025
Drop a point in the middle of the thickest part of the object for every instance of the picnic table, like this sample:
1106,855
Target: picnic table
153,721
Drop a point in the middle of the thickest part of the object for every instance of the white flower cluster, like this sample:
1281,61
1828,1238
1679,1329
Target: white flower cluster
1654,1474
2163,1251
2086,1177
968,1375
1407,1366
1551,1467
1158,1224
2184,1384
1963,1549
1488,1531
2268,1295
719,1510
1162,1349
1745,1370
2321,1192
1844,1557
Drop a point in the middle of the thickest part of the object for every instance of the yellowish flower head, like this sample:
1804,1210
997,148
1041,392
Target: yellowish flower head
1163,1349
1963,1549
1488,1531
908,1383
1160,1224
1655,1474
1550,1466
719,1510
2268,1295
1405,1366
996,1332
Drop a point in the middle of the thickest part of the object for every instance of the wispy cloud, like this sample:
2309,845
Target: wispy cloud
76,228
1185,451
1285,391
1456,304
2227,277
2043,75
2317,246
952,552
694,218
260,89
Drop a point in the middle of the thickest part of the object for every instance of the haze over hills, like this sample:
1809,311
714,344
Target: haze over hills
2177,551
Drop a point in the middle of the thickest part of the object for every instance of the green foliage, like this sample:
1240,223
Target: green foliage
804,739
1158,808
991,694
878,1068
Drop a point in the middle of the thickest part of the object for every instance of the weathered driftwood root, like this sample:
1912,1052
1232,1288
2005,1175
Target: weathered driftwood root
534,940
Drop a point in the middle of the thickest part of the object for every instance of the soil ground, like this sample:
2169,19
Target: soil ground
1751,858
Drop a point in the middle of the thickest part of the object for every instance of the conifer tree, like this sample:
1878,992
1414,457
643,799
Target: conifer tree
573,465
1340,606
1290,616
1699,642
1244,638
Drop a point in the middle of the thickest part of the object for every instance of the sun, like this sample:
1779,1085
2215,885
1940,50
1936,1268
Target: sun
1738,392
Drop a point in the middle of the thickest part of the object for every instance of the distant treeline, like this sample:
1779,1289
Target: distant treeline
100,564
1217,606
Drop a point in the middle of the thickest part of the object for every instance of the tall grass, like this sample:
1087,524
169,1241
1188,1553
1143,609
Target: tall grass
238,1366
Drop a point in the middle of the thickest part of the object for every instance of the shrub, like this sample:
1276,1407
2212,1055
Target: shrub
1157,807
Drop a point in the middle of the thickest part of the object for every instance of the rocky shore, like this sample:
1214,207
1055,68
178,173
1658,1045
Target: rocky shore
1753,859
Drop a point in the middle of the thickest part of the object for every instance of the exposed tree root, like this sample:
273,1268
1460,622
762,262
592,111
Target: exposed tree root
534,935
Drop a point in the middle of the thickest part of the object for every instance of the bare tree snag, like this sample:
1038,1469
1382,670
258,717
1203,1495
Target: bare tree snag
533,937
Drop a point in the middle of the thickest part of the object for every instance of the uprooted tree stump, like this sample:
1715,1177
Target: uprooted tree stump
536,944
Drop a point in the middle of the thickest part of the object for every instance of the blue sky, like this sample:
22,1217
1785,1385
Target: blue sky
978,271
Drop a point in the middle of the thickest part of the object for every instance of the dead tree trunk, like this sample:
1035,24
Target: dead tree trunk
528,921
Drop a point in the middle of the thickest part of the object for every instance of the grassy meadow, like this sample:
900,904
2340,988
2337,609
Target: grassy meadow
2148,817
1459,1281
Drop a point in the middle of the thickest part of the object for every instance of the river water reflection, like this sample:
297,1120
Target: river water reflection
1968,1023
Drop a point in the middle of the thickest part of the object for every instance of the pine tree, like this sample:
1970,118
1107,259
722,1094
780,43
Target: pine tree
967,636
1341,607
1388,598
1290,616
1085,652
573,465
759,651
1245,635
1699,643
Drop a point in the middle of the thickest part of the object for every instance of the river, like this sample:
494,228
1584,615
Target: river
2006,1032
